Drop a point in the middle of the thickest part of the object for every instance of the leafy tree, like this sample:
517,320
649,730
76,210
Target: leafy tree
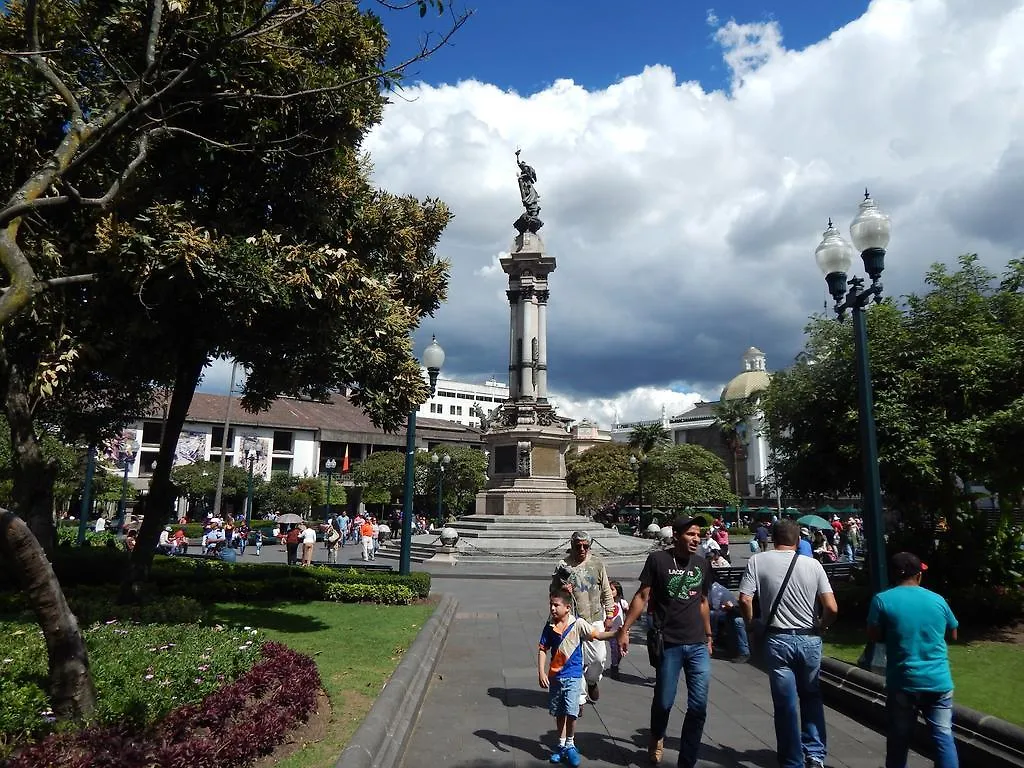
948,378
601,476
159,160
686,475
463,478
646,437
382,476
733,419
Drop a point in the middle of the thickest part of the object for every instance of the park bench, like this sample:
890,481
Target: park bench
730,577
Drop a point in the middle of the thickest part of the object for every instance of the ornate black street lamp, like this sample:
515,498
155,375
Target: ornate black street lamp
441,461
250,457
330,465
870,234
433,359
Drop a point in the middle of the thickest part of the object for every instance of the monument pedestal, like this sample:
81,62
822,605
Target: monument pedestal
526,470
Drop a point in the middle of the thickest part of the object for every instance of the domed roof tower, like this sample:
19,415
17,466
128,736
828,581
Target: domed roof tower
754,379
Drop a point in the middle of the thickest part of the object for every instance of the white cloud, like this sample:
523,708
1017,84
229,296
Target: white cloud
711,18
684,221
637,404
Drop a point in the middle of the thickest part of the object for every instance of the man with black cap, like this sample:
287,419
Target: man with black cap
585,577
677,581
913,623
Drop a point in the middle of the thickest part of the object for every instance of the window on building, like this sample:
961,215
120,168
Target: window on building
146,461
458,410
451,410
283,442
280,466
218,438
151,432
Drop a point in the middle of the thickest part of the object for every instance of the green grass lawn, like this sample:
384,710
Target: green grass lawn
356,648
988,676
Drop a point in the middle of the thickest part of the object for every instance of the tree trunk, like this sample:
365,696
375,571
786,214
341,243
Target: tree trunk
161,494
33,474
72,694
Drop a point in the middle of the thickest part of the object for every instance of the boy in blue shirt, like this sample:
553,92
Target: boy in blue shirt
912,622
563,636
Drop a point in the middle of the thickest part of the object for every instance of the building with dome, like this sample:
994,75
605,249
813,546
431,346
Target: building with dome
699,426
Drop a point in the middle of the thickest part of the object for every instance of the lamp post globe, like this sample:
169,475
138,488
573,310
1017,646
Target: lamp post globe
330,465
433,359
870,230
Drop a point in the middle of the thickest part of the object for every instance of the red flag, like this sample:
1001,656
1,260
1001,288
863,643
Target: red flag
344,462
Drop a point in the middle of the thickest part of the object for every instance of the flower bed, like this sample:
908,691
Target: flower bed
217,732
141,673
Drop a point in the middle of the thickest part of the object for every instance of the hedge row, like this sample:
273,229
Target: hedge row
231,727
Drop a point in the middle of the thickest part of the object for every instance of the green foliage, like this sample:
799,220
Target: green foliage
67,536
141,672
382,475
646,437
685,476
948,374
601,477
386,594
463,477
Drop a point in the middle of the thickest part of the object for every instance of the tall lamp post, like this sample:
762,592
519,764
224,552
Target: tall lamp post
127,460
433,359
870,234
330,465
441,461
637,465
250,457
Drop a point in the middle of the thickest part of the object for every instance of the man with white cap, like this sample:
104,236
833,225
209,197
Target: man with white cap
585,577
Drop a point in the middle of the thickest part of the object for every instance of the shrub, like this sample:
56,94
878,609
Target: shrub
67,536
388,594
217,732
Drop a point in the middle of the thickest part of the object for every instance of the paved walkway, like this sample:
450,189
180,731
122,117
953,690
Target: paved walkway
484,708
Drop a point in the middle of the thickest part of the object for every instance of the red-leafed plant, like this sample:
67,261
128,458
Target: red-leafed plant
231,727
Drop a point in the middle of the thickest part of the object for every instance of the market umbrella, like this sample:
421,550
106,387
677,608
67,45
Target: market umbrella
827,510
289,519
814,521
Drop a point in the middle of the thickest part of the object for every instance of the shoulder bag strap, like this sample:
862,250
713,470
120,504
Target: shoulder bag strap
782,589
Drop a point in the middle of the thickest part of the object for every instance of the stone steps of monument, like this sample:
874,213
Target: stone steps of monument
536,525
418,553
563,520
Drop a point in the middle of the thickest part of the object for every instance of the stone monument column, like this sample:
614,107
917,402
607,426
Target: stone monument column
526,440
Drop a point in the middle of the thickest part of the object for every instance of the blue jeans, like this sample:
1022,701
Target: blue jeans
794,664
735,628
695,662
902,708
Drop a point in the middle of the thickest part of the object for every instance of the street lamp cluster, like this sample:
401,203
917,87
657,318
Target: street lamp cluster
869,231
441,461
637,465
433,359
330,465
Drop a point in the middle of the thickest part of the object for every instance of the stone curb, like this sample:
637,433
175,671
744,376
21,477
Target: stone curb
381,739
981,739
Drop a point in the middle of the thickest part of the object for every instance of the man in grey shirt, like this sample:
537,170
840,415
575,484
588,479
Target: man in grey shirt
793,644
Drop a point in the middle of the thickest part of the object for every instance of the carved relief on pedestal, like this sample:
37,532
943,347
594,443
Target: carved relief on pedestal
524,458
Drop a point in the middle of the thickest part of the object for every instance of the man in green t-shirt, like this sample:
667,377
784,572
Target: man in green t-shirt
913,623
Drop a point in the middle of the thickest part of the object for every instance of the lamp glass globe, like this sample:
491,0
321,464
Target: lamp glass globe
833,254
870,228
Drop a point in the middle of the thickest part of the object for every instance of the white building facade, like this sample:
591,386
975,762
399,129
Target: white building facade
456,400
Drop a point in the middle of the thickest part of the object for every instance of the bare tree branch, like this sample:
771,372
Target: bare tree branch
156,8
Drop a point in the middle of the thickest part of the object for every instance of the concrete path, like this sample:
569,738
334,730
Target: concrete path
484,708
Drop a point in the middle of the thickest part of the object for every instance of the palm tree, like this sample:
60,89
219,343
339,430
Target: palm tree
646,437
732,417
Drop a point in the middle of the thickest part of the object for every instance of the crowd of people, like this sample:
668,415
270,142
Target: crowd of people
785,604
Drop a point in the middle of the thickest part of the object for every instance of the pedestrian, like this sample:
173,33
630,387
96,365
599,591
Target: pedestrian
563,636
618,618
291,543
727,619
913,622
242,537
803,546
308,543
797,604
366,537
762,536
584,576
259,541
676,581
721,536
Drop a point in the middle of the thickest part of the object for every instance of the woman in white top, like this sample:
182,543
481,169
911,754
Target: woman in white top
308,542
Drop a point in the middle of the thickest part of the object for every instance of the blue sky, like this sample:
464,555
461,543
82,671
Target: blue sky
525,45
